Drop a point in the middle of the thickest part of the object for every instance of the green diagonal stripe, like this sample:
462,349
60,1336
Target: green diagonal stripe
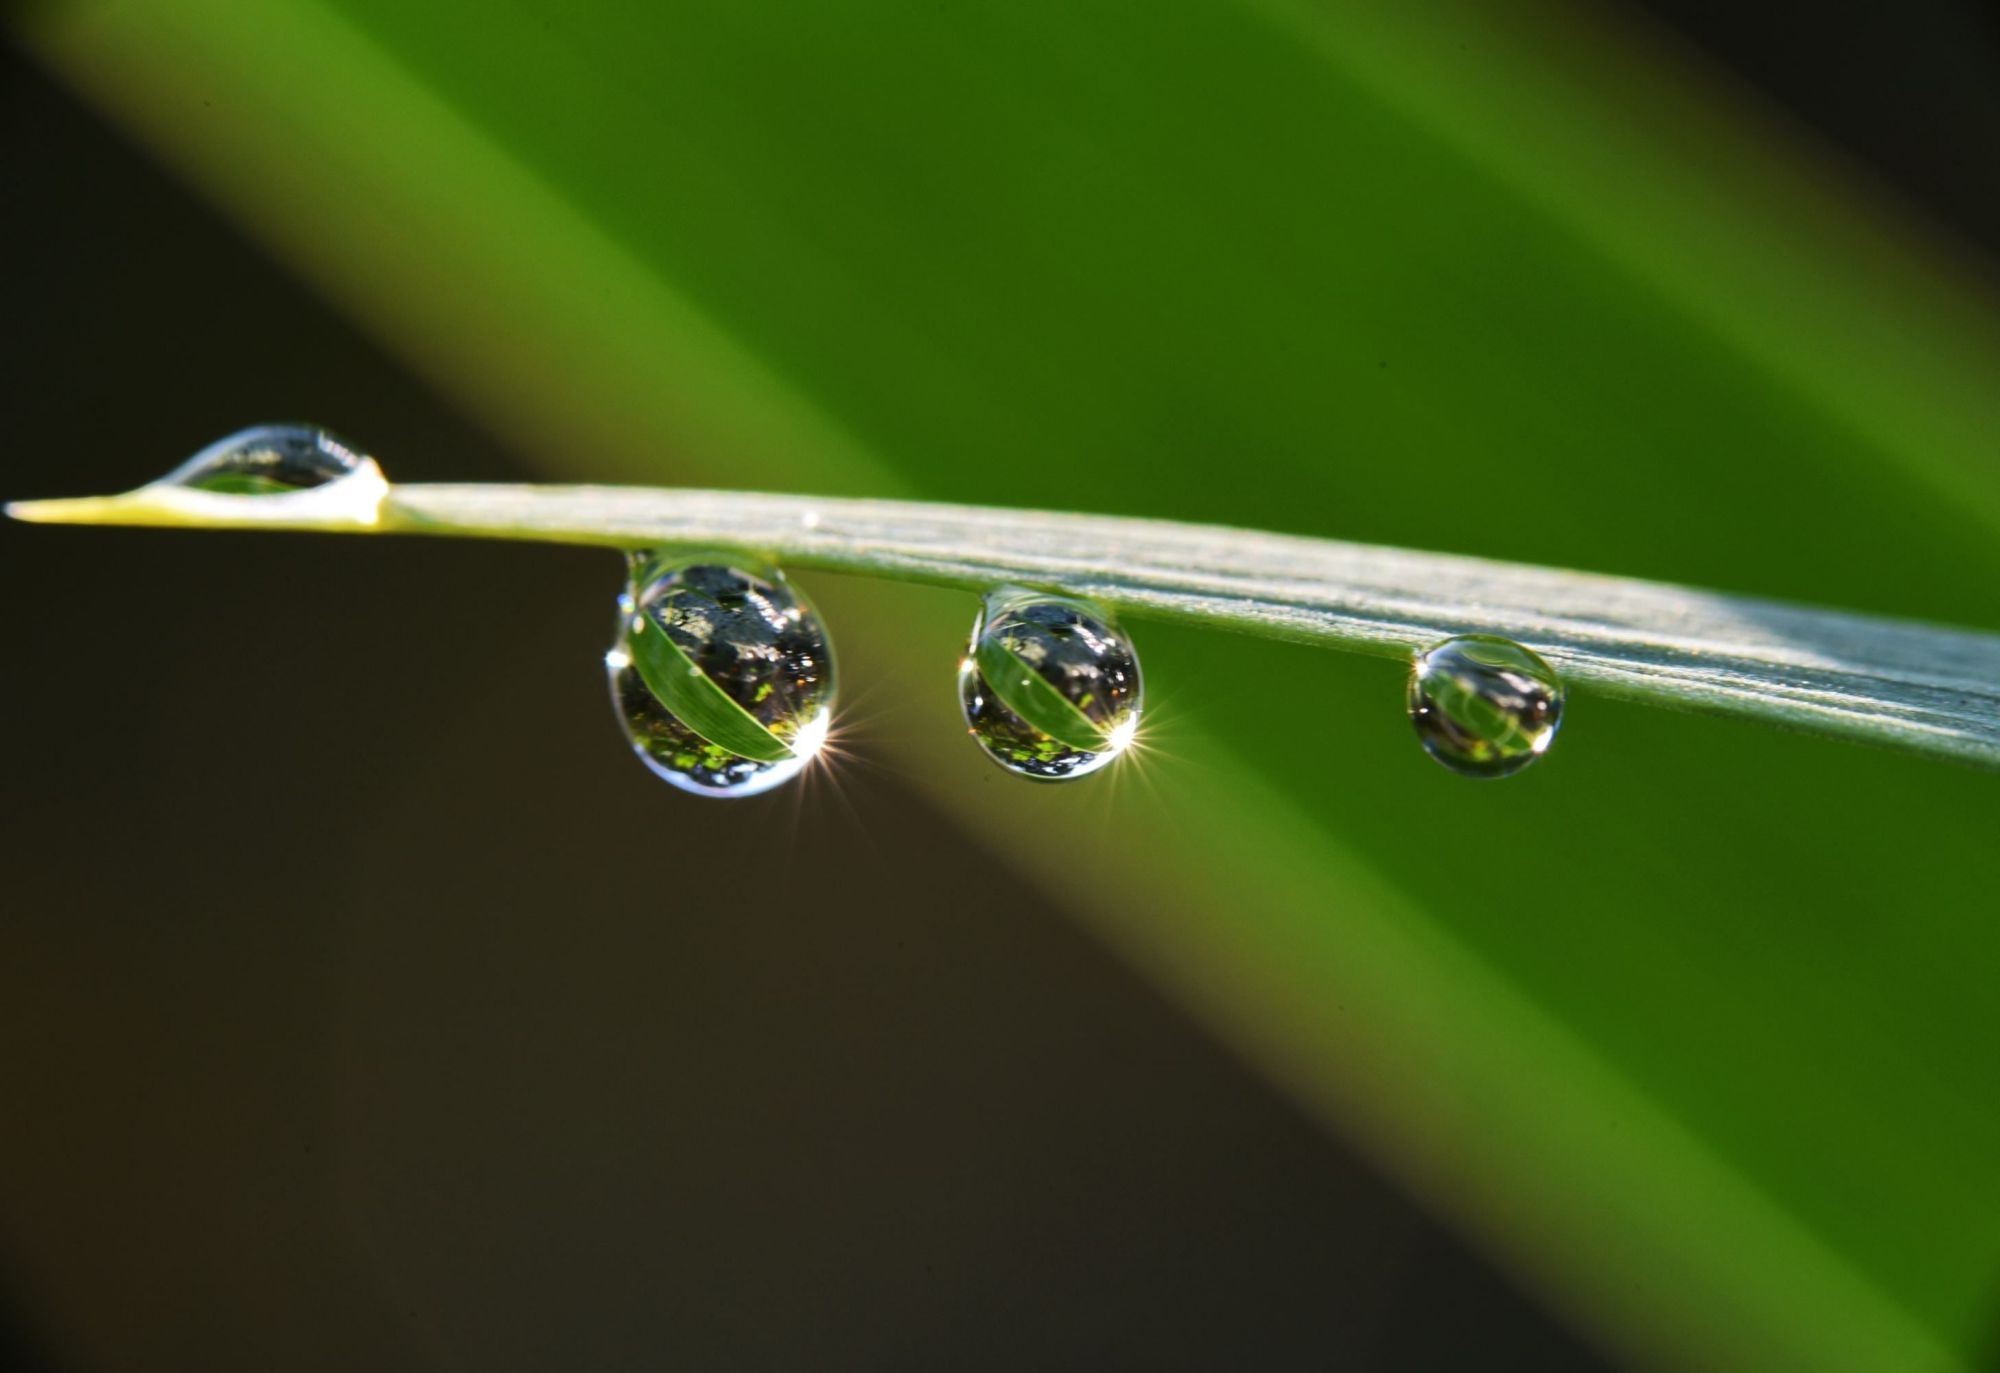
694,699
1031,696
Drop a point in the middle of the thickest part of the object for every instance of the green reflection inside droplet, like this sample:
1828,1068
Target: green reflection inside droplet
1484,706
723,677
1049,686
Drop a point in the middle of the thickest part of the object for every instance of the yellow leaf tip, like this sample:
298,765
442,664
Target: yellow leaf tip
71,511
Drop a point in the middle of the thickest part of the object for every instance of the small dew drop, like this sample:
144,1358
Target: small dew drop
1050,686
272,460
722,676
1484,706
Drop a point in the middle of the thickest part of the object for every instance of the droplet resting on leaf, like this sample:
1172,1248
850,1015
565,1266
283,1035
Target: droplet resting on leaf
270,460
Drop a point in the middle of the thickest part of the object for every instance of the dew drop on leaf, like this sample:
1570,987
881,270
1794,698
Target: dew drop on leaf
272,460
1484,706
1050,685
722,676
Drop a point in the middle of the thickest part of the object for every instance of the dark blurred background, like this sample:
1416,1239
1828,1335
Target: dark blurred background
612,1079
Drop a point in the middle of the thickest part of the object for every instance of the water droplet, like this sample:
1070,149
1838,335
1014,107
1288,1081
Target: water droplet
1050,685
1484,706
272,460
723,677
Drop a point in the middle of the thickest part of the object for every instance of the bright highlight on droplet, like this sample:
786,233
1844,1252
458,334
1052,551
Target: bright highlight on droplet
1120,736
1484,706
1050,686
723,677
812,736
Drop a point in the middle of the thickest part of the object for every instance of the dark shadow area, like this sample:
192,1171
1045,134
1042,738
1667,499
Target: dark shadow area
1910,92
366,1006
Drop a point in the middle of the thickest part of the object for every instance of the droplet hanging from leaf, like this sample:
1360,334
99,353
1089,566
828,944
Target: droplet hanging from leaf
1484,706
722,676
1050,685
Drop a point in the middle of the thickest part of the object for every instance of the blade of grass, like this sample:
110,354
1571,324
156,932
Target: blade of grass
1921,688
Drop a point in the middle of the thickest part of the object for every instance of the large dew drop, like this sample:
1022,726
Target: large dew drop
1484,706
272,460
722,677
1050,686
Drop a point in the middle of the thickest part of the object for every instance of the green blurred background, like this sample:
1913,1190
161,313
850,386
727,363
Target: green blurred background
369,1006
